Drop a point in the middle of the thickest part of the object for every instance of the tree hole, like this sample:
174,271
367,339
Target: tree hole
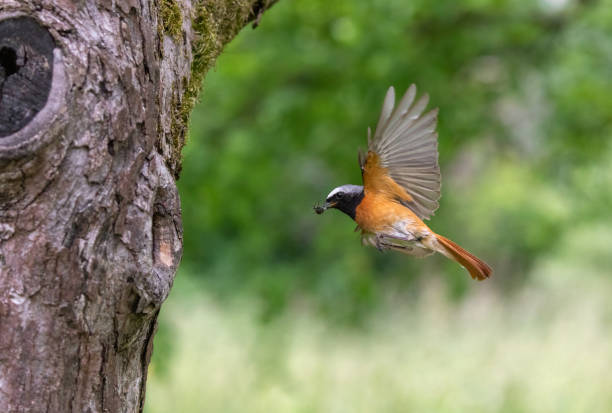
26,71
8,60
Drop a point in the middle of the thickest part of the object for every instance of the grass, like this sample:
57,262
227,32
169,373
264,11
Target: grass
548,348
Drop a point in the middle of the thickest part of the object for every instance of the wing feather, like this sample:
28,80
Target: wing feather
411,114
385,113
406,145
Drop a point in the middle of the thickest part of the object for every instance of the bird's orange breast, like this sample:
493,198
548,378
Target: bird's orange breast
376,213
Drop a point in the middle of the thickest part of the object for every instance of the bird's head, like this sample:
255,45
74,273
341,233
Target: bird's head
345,198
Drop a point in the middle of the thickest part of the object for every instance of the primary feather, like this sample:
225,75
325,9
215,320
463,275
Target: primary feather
406,143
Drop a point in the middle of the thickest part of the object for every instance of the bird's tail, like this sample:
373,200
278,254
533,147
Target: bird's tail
478,269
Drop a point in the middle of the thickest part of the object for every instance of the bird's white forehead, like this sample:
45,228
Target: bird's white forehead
345,189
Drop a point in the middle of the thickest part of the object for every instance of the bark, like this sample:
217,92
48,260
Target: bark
94,102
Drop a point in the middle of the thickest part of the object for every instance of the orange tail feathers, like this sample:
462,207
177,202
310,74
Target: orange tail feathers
478,269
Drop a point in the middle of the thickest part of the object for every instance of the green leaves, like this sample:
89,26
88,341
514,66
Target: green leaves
525,124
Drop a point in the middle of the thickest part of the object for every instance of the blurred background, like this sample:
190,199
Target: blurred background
275,309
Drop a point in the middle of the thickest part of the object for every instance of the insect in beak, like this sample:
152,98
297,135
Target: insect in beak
319,209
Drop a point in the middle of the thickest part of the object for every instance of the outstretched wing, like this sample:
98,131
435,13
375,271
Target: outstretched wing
402,158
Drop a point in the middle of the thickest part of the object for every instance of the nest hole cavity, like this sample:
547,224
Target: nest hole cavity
8,61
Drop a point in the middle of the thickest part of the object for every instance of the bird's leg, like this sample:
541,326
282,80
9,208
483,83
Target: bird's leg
384,241
379,242
403,239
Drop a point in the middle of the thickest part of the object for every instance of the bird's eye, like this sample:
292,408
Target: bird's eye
339,194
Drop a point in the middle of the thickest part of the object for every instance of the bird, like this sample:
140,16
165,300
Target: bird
401,185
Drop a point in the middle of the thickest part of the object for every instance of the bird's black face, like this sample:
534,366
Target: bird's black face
346,198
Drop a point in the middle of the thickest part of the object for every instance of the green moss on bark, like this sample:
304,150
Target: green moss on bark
171,18
214,24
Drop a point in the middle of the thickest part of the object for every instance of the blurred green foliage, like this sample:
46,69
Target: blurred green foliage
544,350
277,309
524,90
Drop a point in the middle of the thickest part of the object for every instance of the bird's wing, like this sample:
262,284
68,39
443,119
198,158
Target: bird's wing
402,158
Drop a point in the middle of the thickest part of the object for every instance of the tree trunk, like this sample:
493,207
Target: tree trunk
95,97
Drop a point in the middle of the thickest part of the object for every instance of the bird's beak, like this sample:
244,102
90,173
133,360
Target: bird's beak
320,209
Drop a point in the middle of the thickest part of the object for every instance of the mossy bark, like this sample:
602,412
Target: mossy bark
212,24
90,226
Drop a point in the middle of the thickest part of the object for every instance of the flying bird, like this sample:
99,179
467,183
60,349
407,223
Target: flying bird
401,185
